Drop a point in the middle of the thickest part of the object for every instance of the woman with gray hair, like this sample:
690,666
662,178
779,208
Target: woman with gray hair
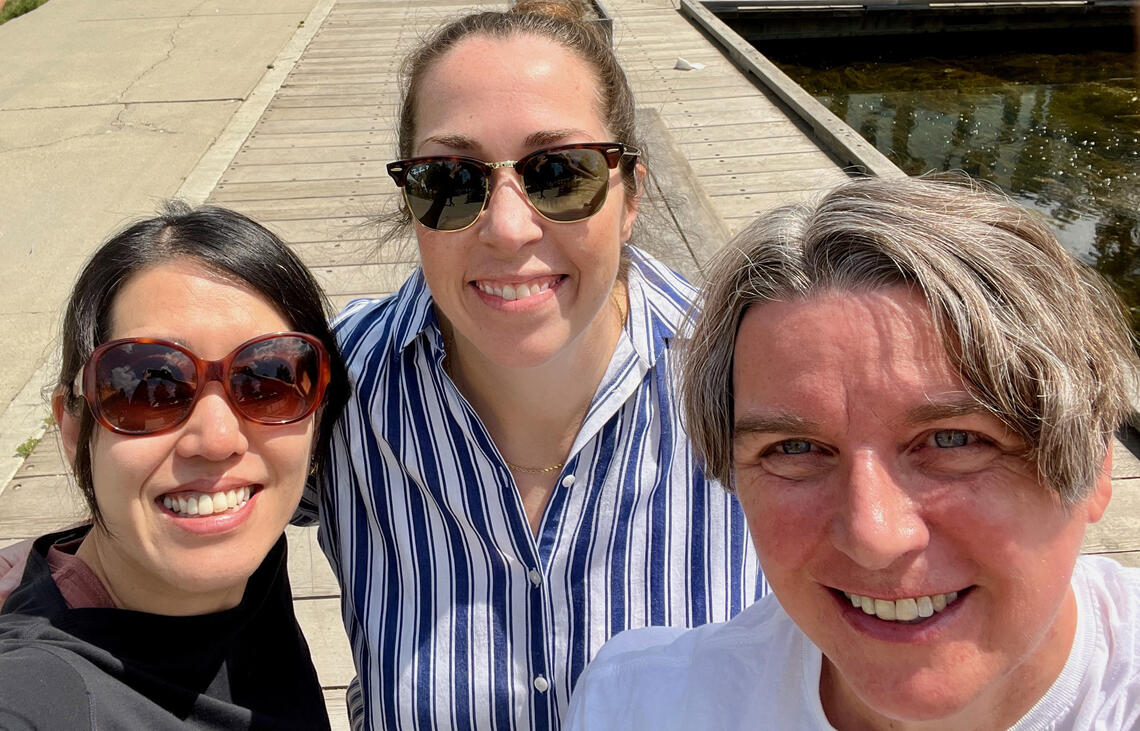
911,388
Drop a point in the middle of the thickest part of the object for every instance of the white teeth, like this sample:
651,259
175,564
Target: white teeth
902,610
514,292
206,503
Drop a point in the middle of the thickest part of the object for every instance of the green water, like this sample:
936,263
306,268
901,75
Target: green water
1059,132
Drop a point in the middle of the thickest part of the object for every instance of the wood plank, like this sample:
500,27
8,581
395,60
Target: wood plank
229,193
245,174
299,232
330,125
750,183
331,207
381,136
744,132
46,459
1119,528
751,148
324,631
337,705
264,154
368,111
33,506
679,116
310,575
363,280
792,162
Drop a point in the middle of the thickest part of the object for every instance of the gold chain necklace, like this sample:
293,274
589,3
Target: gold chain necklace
534,470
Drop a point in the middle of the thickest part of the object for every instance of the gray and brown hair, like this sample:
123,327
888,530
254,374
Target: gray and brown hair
1038,337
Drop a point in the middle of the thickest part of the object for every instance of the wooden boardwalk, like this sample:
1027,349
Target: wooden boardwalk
313,170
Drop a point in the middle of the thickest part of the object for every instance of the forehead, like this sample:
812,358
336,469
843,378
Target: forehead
854,350
182,295
543,84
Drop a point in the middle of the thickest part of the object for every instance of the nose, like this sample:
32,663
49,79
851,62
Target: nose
509,222
876,521
213,430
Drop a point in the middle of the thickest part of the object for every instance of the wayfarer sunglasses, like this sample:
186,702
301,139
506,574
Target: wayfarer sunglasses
564,184
146,386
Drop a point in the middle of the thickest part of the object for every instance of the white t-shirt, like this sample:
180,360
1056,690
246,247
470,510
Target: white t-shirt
759,671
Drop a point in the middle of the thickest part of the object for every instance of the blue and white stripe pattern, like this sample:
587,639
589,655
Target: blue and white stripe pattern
458,616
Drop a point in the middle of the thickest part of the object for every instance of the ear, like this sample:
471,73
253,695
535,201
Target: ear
68,423
1097,501
633,203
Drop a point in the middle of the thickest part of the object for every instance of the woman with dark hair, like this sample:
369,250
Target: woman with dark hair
512,485
197,392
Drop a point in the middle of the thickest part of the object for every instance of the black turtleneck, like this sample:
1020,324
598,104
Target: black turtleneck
243,668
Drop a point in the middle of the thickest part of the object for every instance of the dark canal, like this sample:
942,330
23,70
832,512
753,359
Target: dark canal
1059,131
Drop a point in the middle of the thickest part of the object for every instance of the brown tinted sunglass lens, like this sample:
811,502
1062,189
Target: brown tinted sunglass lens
275,380
144,387
445,195
567,185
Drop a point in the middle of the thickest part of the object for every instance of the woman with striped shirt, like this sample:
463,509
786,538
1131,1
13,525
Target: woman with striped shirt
511,484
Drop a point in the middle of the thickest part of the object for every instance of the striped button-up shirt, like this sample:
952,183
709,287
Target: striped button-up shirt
458,615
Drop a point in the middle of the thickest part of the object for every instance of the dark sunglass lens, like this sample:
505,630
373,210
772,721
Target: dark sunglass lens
275,380
568,185
144,387
445,194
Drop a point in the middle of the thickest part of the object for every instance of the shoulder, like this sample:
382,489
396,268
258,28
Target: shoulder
42,687
1111,679
1117,586
650,677
383,324
660,286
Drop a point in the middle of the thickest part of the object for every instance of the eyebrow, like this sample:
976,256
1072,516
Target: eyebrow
772,424
463,143
958,405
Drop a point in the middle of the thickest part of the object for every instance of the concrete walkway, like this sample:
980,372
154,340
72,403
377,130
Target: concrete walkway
106,108
113,105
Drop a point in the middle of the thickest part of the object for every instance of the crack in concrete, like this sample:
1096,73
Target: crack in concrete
115,124
117,103
171,46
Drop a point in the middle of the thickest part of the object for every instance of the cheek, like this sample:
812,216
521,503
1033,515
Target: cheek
288,456
787,525
121,459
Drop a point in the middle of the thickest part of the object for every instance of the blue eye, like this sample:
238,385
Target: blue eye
795,446
950,438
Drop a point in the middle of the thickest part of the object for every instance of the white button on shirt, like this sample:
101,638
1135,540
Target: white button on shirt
535,577
541,685
568,480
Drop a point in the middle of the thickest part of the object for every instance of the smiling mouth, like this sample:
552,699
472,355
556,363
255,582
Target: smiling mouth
205,504
908,610
512,292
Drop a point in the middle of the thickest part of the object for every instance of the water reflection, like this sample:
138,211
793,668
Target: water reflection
1059,132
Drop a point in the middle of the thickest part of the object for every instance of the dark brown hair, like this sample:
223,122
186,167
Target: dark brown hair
563,23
